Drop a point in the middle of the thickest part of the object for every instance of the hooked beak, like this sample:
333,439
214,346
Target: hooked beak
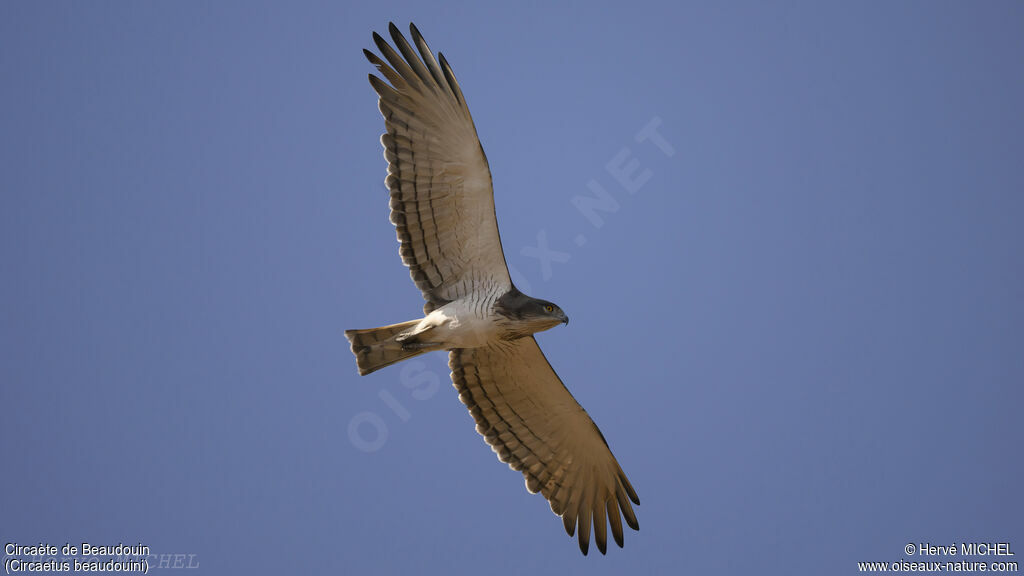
565,319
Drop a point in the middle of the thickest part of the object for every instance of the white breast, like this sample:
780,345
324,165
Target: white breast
460,324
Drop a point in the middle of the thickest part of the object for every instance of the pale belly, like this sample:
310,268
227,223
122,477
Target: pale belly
458,325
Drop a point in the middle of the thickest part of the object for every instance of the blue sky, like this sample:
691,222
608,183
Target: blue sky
801,334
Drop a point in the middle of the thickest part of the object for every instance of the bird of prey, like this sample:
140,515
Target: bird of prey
442,206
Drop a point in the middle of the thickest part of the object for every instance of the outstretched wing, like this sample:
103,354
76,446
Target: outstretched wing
442,203
533,423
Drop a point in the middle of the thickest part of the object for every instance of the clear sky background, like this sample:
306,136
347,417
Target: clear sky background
802,334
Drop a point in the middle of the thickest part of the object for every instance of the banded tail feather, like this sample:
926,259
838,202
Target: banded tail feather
376,348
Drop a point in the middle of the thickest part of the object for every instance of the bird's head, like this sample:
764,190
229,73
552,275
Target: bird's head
546,314
528,315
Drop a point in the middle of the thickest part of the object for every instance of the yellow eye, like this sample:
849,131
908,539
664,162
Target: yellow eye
549,308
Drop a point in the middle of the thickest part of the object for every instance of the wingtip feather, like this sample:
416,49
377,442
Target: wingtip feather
616,521
601,528
584,530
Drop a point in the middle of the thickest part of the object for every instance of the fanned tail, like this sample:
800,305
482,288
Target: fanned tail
376,348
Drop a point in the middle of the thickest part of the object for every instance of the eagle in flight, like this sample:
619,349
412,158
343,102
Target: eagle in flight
442,206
